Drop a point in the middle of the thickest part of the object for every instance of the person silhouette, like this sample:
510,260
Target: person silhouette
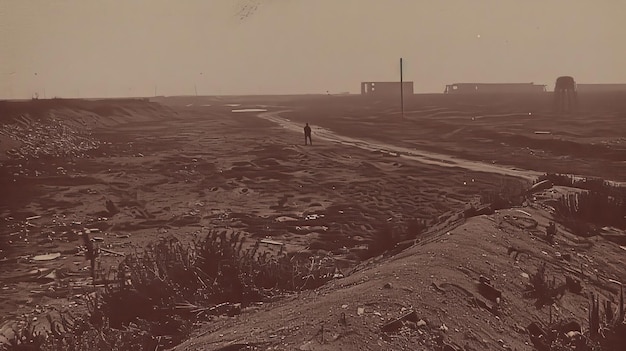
307,134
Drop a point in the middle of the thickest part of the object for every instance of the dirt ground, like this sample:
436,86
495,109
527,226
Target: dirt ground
181,166
439,280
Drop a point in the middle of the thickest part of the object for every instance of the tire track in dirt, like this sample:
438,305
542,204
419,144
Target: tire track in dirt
421,156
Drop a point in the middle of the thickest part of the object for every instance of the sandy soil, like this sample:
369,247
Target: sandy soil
189,164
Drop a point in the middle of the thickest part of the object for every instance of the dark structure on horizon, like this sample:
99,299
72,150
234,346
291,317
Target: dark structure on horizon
386,89
565,94
494,88
600,88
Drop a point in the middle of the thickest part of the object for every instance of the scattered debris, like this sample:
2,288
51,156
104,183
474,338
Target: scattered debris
112,252
51,138
47,257
399,322
520,222
489,292
517,252
540,186
313,216
32,275
271,242
551,232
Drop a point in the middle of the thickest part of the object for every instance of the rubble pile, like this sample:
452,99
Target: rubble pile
51,138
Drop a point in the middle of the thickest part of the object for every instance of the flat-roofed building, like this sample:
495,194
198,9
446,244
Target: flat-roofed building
386,88
494,88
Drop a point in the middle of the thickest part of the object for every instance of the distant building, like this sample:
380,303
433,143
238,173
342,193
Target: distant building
493,88
593,88
386,88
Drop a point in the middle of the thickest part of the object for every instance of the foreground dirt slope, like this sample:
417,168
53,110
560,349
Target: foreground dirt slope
438,279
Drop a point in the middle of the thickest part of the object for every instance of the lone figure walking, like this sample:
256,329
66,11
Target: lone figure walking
307,134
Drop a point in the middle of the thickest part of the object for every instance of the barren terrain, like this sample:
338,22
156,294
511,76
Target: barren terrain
185,165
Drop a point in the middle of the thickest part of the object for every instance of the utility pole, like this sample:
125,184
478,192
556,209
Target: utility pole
401,89
195,85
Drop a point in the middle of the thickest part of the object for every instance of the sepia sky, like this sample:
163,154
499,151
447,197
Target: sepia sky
107,48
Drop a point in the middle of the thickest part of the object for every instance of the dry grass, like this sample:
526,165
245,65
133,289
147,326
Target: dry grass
154,296
606,327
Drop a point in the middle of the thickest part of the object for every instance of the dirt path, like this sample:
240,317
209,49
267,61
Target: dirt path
421,156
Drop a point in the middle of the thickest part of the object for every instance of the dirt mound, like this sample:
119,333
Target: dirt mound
61,128
464,286
103,108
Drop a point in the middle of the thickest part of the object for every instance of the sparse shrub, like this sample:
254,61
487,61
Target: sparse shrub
544,290
389,235
152,299
607,331
24,337
511,193
383,240
248,272
415,228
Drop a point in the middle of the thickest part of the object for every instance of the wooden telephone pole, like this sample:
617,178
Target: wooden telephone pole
401,89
